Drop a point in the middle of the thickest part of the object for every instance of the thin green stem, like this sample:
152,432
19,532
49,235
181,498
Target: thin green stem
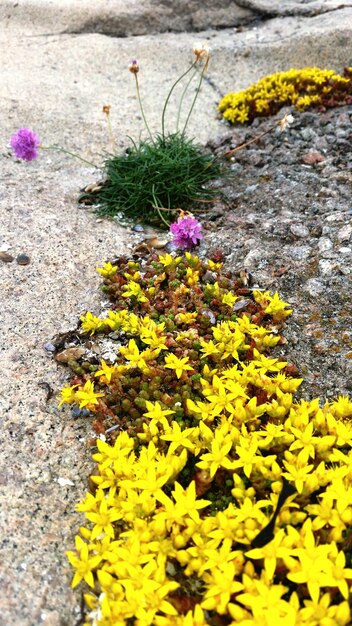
169,96
196,95
182,98
157,207
161,217
141,108
72,154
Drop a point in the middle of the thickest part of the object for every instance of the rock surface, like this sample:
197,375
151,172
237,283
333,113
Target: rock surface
289,224
62,61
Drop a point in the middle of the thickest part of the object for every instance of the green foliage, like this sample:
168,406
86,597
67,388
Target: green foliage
304,88
167,172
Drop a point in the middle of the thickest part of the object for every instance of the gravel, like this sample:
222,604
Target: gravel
285,215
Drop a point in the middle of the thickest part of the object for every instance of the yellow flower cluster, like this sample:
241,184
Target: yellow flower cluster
299,87
146,527
241,512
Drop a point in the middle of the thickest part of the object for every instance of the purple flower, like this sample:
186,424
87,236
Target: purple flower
25,144
187,232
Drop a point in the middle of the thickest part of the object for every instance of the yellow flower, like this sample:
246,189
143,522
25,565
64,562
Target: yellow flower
83,564
212,290
68,395
185,504
102,520
132,275
304,441
267,604
216,557
116,319
312,571
152,339
186,318
177,364
217,457
214,267
264,364
108,270
223,396
192,276
221,585
202,410
91,323
298,87
134,290
323,515
313,566
105,372
247,455
273,305
271,552
287,385
339,574
169,261
322,612
178,437
297,471
192,259
107,455
229,298
230,339
91,502
209,348
132,354
157,414
86,395
339,491
341,408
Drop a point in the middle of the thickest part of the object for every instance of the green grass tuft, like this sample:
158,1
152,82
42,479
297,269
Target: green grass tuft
169,172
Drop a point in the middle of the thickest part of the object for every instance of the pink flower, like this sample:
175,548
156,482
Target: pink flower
25,144
187,232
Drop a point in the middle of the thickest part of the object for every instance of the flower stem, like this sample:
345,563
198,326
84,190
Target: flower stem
157,207
248,143
169,96
161,216
182,98
141,108
72,154
196,95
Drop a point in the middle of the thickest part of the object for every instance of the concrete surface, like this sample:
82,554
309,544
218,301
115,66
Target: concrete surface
57,71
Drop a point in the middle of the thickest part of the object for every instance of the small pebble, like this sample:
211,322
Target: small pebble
23,259
299,230
138,228
251,188
344,234
49,347
65,482
6,258
327,267
325,244
314,287
70,354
